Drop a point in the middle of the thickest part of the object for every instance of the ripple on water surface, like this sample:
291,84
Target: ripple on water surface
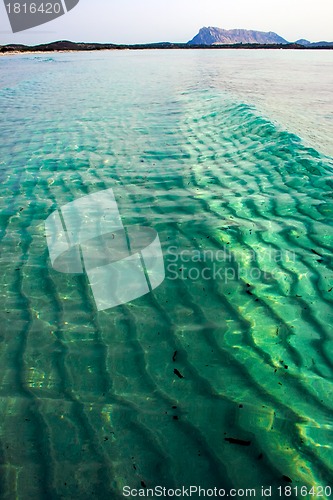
219,377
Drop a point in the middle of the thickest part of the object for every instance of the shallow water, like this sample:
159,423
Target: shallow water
243,209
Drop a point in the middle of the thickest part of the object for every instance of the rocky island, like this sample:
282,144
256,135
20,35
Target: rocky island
213,36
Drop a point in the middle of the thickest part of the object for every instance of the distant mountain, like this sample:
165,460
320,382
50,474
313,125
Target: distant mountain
321,44
304,42
213,36
308,44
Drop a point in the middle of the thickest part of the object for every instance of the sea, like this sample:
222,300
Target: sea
218,382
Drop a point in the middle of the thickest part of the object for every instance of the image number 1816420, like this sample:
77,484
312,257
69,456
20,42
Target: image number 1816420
26,14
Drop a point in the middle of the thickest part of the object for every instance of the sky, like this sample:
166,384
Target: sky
146,21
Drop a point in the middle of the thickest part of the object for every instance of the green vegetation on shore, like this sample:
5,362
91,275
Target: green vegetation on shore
65,45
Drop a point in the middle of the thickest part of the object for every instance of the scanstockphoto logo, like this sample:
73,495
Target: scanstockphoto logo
227,266
25,14
87,236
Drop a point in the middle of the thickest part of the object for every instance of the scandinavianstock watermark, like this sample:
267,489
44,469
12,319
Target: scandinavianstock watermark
225,265
26,14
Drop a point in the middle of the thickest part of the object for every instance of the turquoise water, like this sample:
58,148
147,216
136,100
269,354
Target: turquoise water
90,401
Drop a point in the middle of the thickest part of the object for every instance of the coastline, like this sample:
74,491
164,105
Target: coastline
41,52
68,46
